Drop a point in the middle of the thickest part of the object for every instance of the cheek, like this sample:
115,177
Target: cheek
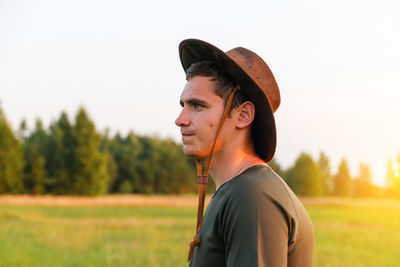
212,123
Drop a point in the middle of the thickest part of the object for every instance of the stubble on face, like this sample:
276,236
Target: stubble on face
200,116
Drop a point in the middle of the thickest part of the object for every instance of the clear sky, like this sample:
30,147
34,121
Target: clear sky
337,64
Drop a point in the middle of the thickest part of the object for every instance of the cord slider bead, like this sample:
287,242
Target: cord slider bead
202,179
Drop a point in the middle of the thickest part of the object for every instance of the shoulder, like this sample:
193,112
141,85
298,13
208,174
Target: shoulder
260,200
259,187
261,181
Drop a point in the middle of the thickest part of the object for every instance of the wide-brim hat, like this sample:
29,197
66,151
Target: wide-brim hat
257,84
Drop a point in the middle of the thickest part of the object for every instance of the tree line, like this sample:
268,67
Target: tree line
309,177
73,158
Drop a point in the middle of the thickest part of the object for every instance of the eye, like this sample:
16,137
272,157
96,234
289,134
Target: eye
197,106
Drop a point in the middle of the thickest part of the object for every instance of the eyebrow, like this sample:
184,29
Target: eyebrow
193,101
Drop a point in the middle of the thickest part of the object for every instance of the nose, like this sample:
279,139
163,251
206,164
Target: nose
183,119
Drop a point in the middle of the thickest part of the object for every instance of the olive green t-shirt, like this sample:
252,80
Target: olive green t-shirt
255,219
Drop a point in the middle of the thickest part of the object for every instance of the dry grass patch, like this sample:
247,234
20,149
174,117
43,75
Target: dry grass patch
109,200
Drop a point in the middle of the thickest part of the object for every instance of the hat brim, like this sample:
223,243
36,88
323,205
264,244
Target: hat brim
263,128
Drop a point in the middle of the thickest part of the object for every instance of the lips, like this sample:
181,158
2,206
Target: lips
185,132
186,136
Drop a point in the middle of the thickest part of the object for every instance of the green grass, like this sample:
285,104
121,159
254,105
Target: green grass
346,235
353,235
94,236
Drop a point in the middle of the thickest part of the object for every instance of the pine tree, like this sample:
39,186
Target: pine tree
23,130
147,167
342,180
363,182
11,159
35,168
125,152
60,156
112,167
89,170
305,177
323,163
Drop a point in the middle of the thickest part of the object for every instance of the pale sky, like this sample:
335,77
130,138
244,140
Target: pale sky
337,64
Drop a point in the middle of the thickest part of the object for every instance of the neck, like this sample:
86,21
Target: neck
228,164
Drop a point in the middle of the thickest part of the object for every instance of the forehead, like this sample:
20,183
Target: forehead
200,87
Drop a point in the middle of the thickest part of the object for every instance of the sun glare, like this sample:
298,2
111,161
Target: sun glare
396,169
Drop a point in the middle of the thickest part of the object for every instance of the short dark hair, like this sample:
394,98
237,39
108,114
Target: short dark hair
223,84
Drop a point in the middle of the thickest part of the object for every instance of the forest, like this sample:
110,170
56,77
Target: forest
71,157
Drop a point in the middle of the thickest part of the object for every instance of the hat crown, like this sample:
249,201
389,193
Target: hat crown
257,70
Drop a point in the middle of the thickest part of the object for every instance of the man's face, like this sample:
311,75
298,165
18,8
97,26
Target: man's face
200,116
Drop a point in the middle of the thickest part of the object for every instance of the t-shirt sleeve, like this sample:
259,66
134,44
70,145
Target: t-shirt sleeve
255,230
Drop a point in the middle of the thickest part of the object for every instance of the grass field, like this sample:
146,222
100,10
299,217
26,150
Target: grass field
155,231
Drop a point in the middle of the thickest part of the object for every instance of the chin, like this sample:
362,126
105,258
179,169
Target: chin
194,154
189,152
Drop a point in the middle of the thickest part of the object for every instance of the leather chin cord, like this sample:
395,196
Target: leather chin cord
202,179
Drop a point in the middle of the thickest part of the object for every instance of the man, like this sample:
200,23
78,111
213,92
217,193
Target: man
227,125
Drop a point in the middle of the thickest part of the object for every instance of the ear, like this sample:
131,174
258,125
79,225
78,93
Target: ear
245,114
